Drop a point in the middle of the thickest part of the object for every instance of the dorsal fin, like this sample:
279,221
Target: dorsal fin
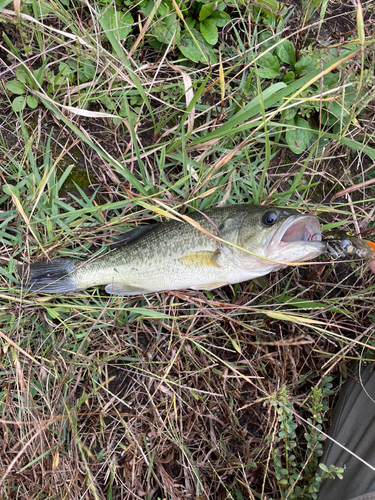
131,235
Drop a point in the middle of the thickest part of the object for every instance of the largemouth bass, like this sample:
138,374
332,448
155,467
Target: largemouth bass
176,255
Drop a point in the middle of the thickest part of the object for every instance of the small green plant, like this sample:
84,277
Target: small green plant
192,28
280,62
18,87
286,455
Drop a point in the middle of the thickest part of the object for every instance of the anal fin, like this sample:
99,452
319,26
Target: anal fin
117,289
209,286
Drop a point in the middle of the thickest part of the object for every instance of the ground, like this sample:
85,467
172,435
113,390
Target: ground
178,395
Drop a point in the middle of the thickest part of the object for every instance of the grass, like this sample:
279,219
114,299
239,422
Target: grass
177,395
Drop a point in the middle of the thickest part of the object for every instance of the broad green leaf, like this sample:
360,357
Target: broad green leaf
88,70
300,136
190,22
163,10
270,6
167,30
269,66
10,190
331,80
289,77
4,3
189,47
22,74
31,102
197,49
119,23
19,103
16,87
267,73
146,7
286,52
220,18
305,63
124,21
206,11
267,39
209,31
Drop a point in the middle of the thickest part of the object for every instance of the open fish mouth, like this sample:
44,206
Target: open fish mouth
297,230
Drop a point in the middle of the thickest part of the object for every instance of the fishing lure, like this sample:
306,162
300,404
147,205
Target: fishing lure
344,245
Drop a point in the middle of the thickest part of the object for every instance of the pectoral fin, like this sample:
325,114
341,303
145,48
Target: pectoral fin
209,286
199,259
117,289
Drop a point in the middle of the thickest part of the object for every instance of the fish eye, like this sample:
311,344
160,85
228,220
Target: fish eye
269,218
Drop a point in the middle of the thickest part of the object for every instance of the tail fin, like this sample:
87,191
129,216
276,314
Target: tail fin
49,277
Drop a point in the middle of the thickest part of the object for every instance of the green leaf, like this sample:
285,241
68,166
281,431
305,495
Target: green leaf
270,6
286,53
209,31
331,80
220,18
19,103
236,346
163,10
289,77
195,395
31,102
10,190
197,49
300,136
88,70
38,76
269,66
267,39
16,87
146,7
206,11
304,63
22,74
167,30
4,3
190,23
119,23
189,47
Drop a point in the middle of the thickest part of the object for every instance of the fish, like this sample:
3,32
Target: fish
221,246
344,245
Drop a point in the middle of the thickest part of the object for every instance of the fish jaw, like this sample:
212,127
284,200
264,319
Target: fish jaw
296,240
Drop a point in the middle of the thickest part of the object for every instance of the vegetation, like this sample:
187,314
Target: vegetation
114,114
